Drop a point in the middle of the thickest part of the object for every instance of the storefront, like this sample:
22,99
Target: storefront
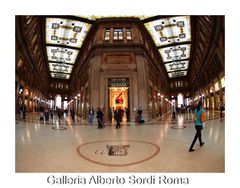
118,93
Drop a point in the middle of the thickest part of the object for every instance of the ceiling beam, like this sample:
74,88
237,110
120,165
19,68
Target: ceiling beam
81,19
157,18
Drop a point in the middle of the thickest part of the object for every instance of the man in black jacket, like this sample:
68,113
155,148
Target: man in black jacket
100,118
118,118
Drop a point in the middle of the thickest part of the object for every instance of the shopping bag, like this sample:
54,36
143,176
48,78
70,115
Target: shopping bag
202,117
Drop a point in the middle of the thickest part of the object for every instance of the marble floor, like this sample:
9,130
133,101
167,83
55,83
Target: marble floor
158,146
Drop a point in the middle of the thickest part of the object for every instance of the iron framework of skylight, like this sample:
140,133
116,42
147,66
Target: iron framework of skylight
64,38
172,37
95,17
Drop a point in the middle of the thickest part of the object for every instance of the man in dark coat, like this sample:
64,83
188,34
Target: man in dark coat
100,118
118,118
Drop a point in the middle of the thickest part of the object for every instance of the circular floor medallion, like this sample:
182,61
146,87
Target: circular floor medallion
118,153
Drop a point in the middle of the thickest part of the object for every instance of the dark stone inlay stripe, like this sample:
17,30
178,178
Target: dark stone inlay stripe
59,128
178,127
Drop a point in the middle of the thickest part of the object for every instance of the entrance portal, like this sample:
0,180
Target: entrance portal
118,97
118,93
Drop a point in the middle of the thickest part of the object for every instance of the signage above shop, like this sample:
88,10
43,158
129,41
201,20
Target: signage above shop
118,82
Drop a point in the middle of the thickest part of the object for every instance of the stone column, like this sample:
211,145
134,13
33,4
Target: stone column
158,104
106,97
84,104
111,35
103,93
124,35
215,97
205,98
220,88
142,87
80,105
16,97
62,102
100,35
212,96
133,92
102,89
27,97
153,103
95,82
130,98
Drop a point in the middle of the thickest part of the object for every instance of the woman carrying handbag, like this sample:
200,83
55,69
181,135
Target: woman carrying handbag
199,120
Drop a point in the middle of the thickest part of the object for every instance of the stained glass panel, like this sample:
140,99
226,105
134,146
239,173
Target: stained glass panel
60,67
177,74
66,32
173,53
64,55
176,66
170,30
60,75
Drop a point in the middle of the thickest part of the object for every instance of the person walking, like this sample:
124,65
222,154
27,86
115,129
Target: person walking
46,113
59,113
21,111
91,115
72,112
127,114
51,113
114,113
110,115
118,118
198,126
173,112
41,113
221,108
140,115
24,110
100,118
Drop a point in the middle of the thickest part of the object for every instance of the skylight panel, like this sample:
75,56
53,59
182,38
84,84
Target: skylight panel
174,53
177,74
59,54
60,67
60,75
170,30
176,66
66,32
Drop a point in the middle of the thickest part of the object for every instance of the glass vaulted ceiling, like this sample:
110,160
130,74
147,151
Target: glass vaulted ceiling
64,38
172,36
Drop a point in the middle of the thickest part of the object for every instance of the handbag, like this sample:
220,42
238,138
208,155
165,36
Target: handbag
202,117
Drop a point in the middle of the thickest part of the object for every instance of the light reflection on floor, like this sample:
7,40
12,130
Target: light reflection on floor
39,148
